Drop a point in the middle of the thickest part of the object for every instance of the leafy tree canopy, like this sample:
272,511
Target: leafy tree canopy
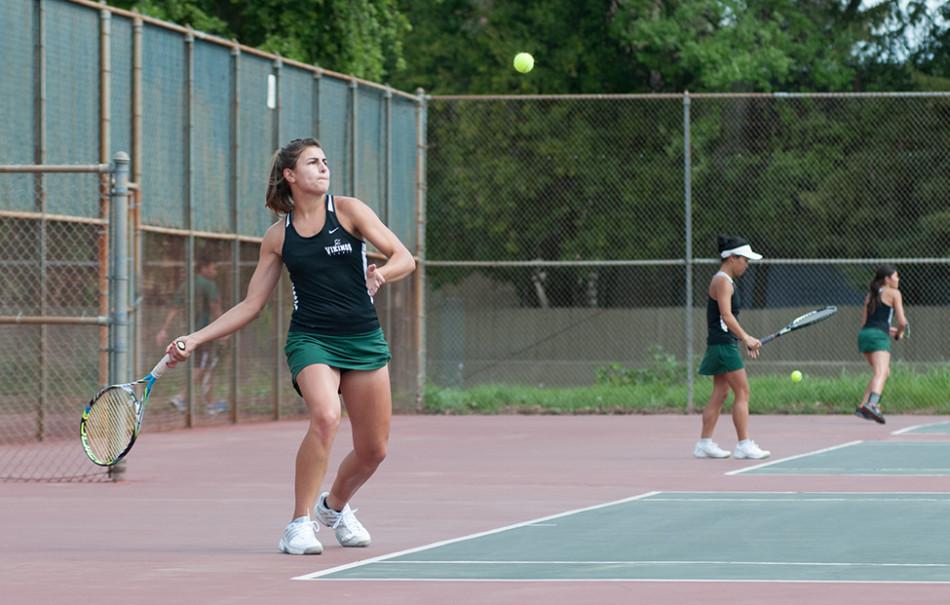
594,46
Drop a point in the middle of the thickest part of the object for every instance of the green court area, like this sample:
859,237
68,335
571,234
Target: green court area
672,536
936,428
908,458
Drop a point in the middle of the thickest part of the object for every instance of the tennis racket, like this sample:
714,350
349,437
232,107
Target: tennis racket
803,321
112,420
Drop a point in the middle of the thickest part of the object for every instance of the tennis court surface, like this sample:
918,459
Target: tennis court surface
903,458
759,536
500,509
932,428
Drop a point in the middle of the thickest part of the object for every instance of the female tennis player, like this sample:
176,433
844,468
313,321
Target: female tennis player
722,360
882,306
335,344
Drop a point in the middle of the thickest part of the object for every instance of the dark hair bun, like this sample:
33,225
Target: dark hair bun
728,242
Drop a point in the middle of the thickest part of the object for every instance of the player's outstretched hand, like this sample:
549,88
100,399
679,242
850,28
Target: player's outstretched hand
179,349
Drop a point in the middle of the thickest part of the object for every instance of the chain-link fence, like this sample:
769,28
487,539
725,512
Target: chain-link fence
567,235
201,118
562,236
54,319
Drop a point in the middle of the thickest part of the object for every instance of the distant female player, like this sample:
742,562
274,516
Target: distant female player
883,305
722,360
335,344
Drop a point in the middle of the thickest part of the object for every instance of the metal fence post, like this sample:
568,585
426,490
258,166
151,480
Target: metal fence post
421,125
688,222
187,195
119,290
234,196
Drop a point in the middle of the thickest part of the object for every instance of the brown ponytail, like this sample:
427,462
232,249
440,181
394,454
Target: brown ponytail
874,294
278,190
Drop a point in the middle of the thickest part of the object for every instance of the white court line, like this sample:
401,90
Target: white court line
633,580
877,471
842,499
822,451
360,563
908,429
424,562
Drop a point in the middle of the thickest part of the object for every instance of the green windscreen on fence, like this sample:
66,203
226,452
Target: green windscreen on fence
211,134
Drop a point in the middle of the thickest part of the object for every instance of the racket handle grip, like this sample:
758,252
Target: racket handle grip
768,339
160,368
163,365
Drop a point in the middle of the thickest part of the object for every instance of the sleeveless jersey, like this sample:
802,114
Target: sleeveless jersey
882,316
718,333
328,275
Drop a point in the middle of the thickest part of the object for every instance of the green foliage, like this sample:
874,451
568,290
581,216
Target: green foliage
602,46
466,47
594,46
907,392
359,37
666,370
199,15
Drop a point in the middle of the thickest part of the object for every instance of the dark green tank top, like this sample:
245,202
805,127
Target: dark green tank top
719,333
881,317
328,275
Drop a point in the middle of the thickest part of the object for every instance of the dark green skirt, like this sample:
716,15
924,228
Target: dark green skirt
720,359
367,351
871,340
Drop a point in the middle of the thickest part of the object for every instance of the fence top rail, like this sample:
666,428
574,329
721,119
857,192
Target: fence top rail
690,95
677,261
44,216
42,168
233,44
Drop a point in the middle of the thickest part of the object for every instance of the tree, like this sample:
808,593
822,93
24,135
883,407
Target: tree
359,37
759,45
467,47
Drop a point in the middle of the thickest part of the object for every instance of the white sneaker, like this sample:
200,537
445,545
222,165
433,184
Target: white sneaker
300,538
349,531
709,449
751,451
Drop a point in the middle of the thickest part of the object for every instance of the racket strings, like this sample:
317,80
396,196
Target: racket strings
111,424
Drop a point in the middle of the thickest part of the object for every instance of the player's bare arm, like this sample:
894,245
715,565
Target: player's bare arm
360,220
897,303
721,290
262,284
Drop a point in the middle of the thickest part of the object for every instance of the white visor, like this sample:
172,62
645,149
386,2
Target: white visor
745,251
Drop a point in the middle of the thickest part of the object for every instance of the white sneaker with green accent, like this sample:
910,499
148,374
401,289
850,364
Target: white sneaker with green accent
709,449
750,450
300,538
349,531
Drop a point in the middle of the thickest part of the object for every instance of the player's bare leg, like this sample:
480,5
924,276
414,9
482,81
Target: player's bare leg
368,401
318,383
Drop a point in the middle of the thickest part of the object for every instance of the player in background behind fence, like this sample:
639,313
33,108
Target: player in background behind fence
207,307
335,344
882,306
722,360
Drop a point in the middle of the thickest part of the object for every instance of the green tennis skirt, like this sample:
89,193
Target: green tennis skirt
366,351
720,359
871,340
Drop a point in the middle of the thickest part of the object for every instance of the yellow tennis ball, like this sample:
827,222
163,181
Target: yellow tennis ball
524,62
796,376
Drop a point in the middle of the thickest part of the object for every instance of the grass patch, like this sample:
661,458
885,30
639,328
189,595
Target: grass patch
907,392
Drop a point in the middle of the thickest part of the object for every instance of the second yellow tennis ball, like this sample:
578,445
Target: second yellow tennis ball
796,376
524,62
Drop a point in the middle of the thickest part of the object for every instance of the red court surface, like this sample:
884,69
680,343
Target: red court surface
198,517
